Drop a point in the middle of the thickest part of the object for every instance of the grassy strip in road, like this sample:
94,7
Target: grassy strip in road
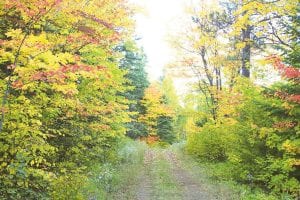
160,171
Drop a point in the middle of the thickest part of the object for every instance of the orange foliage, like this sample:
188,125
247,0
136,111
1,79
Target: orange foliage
151,139
288,72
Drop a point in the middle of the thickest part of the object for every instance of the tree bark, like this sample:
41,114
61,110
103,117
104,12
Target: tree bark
246,52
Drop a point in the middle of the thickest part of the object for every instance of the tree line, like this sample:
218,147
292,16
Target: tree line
249,129
72,84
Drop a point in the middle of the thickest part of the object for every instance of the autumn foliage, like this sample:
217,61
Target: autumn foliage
73,85
61,89
245,129
288,72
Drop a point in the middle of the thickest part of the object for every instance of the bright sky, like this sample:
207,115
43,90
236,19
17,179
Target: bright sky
153,26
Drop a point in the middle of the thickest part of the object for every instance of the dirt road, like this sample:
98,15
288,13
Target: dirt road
164,177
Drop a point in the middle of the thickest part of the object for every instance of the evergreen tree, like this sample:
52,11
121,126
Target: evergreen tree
134,62
165,129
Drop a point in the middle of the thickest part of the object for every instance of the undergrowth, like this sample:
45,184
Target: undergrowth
106,181
218,175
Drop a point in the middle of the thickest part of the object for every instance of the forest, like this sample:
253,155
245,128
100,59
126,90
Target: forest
81,120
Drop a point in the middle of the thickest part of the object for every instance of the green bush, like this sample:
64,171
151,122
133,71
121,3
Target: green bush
68,187
211,144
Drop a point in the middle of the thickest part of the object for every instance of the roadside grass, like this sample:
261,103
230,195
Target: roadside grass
118,179
217,178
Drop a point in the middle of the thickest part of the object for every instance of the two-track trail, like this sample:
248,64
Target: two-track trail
164,175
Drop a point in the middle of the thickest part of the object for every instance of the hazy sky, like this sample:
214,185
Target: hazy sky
153,26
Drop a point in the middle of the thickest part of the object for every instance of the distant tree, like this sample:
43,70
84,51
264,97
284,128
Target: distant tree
170,128
157,113
165,129
134,62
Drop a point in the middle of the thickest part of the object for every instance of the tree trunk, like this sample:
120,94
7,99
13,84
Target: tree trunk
246,52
